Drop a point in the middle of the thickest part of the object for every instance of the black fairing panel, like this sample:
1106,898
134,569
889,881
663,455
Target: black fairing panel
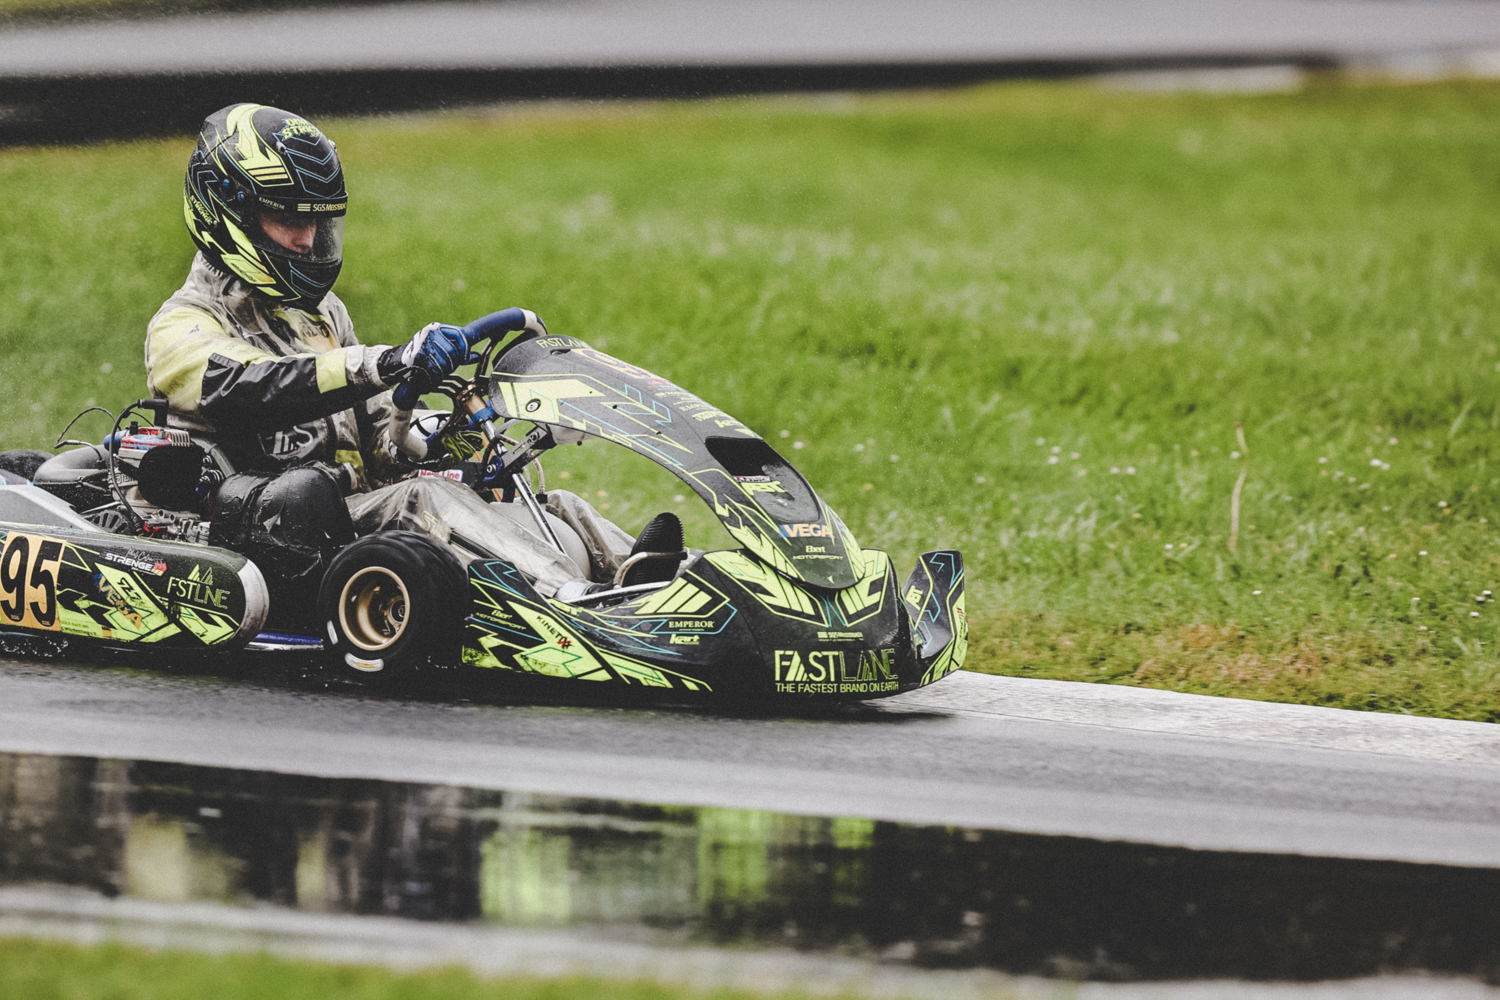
934,601
761,500
728,625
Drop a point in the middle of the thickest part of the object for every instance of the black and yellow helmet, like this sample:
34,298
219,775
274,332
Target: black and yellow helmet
265,201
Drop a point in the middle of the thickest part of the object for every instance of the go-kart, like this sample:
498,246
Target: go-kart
801,611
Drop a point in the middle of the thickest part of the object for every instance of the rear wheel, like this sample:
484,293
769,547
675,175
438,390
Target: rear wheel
391,602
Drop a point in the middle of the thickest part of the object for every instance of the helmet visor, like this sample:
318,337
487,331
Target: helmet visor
313,237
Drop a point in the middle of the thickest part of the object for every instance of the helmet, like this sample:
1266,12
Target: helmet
265,201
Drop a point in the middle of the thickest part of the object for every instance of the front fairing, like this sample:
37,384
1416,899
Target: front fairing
761,500
730,626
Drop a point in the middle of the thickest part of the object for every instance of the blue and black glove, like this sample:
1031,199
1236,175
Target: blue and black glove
421,363
439,350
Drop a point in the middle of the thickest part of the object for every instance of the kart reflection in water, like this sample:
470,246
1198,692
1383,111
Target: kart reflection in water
933,895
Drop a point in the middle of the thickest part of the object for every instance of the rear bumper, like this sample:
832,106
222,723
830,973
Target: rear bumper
130,592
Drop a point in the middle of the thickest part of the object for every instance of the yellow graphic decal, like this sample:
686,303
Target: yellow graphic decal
247,263
561,655
769,587
251,153
754,540
867,596
638,672
644,673
193,224
957,650
132,610
485,656
681,598
211,629
851,547
539,400
960,632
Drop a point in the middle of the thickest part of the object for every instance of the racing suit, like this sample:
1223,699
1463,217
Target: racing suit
295,404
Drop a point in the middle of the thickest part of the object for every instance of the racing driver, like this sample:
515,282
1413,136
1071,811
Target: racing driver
256,356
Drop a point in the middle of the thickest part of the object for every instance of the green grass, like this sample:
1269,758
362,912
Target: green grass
69,8
30,10
952,278
43,971
34,10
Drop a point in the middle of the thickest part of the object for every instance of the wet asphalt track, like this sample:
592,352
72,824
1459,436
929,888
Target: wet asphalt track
892,760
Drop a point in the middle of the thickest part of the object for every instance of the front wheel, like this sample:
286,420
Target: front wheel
392,601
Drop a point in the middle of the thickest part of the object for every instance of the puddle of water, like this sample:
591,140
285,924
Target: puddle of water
930,895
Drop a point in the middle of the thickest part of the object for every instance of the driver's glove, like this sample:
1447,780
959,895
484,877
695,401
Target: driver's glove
436,352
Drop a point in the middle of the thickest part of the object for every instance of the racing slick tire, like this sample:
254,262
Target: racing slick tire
391,602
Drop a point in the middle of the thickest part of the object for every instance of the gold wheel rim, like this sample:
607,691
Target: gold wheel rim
372,609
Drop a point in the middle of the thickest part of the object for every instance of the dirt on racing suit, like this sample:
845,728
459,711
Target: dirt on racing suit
286,392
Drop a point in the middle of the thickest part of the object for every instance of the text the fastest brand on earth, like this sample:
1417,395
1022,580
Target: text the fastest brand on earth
835,671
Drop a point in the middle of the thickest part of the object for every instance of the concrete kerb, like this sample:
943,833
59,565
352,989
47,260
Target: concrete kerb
1148,710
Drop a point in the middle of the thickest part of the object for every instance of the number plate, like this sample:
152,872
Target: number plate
28,581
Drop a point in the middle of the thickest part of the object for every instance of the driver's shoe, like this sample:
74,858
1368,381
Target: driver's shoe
656,554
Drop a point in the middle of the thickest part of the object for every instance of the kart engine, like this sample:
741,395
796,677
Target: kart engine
172,474
146,480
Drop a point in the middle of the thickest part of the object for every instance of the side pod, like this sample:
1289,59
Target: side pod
934,598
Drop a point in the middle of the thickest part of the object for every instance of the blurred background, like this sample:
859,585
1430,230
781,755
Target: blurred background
72,69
